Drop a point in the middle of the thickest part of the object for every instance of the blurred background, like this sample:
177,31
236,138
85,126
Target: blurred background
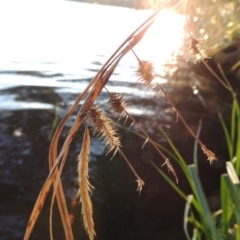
137,4
50,51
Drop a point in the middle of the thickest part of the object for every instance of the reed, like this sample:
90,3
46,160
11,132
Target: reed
101,126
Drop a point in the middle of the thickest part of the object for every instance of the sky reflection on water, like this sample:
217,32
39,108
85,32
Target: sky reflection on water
64,40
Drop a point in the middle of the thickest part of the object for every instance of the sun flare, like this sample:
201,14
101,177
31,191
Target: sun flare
163,41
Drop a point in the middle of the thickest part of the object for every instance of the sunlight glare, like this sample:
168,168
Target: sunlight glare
163,41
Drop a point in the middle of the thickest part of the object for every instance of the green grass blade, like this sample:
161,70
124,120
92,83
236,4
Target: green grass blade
237,228
144,137
227,136
171,183
192,219
234,192
177,153
233,121
235,130
224,75
235,109
226,205
209,229
235,66
195,148
196,234
237,168
176,156
186,213
180,159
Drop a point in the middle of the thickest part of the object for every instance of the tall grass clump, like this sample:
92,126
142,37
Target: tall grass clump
95,121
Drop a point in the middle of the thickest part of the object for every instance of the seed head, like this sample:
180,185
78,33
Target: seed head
196,50
210,155
145,72
140,183
117,105
102,127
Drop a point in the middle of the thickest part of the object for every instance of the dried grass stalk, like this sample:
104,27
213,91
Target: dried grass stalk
210,155
84,185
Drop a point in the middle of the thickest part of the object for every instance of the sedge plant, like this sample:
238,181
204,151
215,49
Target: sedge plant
96,122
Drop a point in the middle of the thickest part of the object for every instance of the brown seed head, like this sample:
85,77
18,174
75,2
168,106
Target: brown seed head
140,183
95,117
145,72
102,127
117,105
210,155
170,168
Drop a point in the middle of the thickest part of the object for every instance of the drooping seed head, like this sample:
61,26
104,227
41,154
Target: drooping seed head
95,117
210,155
102,127
145,72
117,105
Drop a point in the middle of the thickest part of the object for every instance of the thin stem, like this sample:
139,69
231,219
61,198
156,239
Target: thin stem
209,154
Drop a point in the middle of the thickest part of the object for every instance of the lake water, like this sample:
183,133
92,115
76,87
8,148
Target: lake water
61,45
49,52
